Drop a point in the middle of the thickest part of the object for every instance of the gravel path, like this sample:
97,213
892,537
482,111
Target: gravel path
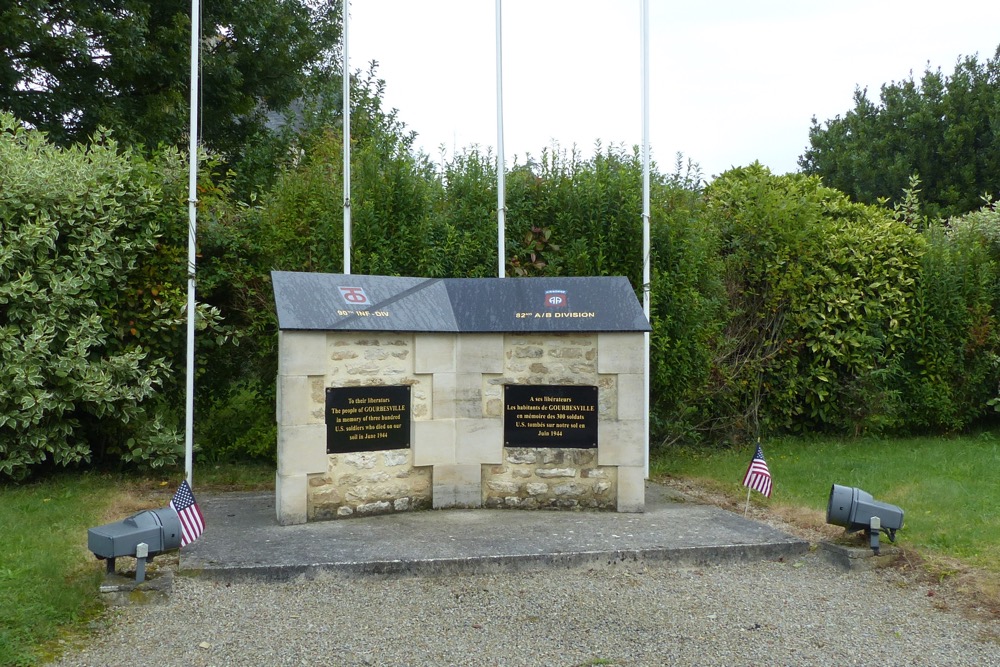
802,613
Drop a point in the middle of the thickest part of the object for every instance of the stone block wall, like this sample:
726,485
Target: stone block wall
364,483
457,456
556,478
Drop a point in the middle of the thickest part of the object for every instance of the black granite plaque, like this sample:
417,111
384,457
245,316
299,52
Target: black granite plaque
364,419
550,416
338,302
545,304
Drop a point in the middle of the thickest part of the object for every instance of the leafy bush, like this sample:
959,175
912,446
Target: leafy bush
688,306
236,429
592,207
951,357
75,227
461,237
820,302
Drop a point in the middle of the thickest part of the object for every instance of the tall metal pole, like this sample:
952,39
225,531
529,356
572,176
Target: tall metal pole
646,278
347,139
192,234
501,184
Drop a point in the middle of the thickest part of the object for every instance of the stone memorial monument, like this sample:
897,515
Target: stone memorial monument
397,394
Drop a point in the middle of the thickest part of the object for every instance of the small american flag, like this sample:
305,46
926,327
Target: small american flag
192,522
758,477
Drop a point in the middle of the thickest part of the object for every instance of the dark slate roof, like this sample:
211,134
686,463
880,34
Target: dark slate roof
338,302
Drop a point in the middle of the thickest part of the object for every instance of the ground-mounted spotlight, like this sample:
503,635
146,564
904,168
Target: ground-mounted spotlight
856,510
141,536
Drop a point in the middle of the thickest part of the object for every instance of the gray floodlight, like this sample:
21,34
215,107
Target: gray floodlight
141,536
856,510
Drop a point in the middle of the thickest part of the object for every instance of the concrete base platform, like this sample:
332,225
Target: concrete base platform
120,590
858,559
242,539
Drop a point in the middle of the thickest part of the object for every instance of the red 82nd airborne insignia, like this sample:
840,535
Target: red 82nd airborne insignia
556,298
354,296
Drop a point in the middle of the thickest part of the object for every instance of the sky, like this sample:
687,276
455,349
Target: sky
731,81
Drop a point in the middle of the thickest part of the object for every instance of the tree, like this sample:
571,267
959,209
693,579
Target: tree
68,67
942,129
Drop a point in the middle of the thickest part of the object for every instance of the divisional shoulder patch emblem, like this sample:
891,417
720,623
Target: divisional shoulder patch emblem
556,298
354,296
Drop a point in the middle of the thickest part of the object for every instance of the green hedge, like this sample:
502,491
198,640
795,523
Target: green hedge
848,318
777,304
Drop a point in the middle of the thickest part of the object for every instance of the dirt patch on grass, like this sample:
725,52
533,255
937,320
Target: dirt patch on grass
135,495
956,586
802,522
953,585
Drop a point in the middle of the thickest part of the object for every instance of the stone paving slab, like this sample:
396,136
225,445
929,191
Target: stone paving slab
242,539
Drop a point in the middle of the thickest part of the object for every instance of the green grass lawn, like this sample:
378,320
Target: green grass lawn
48,579
948,488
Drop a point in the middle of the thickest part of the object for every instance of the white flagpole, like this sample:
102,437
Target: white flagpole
501,185
347,139
192,233
646,279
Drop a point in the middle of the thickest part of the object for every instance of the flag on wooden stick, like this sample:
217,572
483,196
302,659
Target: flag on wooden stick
192,521
758,477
